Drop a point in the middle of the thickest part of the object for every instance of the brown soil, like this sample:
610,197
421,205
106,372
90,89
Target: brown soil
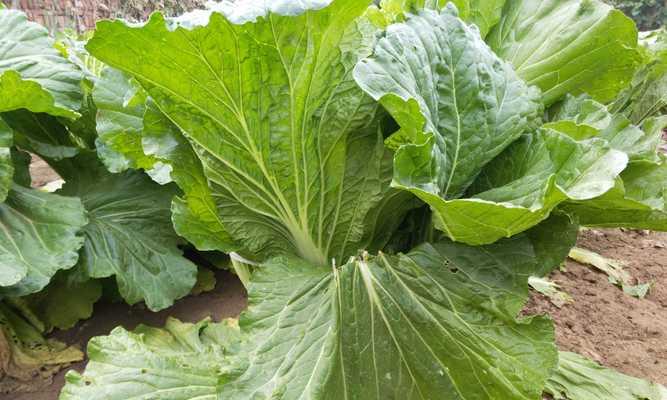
41,173
227,300
605,324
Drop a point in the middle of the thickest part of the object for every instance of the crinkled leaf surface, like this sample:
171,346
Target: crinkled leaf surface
121,107
578,378
40,69
457,115
39,235
289,144
180,362
129,235
637,199
583,118
568,46
458,105
436,323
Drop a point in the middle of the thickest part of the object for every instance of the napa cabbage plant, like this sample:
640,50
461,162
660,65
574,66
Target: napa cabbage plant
395,173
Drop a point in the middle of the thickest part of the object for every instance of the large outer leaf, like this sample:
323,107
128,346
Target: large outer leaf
423,326
38,237
568,46
289,145
180,362
437,323
26,48
580,379
130,235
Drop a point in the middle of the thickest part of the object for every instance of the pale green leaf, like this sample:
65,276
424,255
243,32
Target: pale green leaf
180,362
485,14
194,216
578,378
568,46
583,118
647,95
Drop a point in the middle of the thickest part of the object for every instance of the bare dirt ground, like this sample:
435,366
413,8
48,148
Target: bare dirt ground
605,324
